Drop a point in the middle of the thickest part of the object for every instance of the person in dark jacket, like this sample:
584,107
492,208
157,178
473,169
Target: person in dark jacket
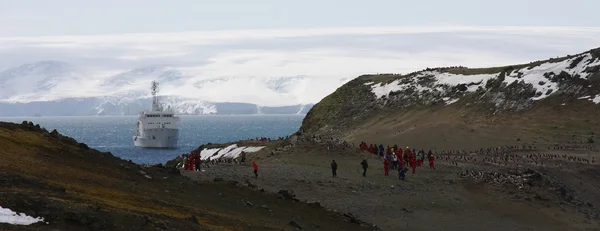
401,173
364,165
198,161
334,168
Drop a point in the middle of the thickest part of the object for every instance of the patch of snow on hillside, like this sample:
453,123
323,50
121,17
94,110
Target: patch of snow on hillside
206,153
582,65
224,151
596,99
585,97
535,77
454,80
232,151
10,217
381,90
449,101
253,149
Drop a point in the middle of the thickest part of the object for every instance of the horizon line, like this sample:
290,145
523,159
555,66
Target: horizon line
330,30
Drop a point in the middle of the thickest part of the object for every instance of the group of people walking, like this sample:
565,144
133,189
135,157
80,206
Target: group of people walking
394,157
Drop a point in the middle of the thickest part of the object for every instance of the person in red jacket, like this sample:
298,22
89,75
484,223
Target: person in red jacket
255,166
431,165
386,167
371,149
191,161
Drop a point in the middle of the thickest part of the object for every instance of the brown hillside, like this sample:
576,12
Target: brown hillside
453,127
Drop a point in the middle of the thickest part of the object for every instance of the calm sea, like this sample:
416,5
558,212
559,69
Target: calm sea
115,134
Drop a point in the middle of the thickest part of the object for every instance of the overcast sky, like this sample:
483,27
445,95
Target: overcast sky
68,17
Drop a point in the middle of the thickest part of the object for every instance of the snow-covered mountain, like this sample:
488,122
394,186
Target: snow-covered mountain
37,85
36,80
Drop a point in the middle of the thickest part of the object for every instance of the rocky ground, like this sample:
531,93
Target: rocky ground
467,190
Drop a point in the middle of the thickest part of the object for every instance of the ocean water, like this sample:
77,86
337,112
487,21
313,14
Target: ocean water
115,134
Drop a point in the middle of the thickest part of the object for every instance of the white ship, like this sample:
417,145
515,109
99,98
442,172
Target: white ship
157,128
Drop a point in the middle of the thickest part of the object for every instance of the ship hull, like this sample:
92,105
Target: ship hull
157,138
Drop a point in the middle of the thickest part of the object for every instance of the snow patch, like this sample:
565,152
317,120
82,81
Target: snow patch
441,79
596,99
450,101
585,97
455,80
381,90
229,152
535,76
10,217
206,153
254,149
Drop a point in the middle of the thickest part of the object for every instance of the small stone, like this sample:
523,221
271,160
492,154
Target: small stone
249,204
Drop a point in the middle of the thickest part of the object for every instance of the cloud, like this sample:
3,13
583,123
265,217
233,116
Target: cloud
324,55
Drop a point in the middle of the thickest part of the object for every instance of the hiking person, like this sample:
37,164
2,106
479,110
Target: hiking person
334,168
191,161
386,167
243,157
186,165
255,166
394,161
197,161
431,165
401,173
364,165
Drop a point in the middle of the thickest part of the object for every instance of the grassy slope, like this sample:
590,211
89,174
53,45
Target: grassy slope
79,189
454,128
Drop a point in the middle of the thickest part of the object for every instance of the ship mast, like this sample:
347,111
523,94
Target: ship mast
155,104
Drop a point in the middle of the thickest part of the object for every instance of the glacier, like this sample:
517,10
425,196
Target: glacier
188,89
116,106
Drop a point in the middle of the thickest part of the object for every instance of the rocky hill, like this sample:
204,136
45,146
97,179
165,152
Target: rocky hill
52,177
543,102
